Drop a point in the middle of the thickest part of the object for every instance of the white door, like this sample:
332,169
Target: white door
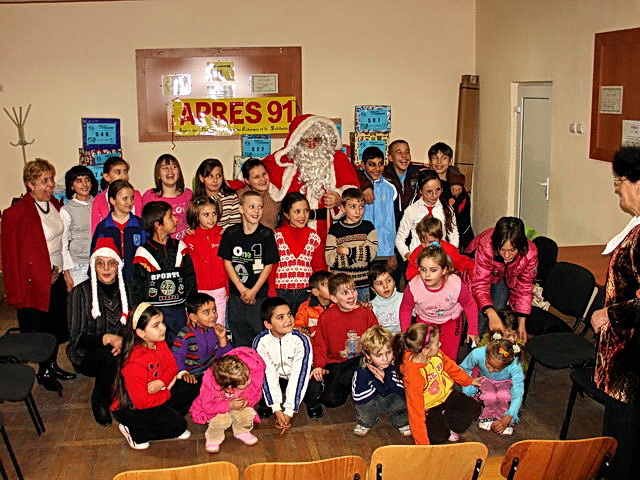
533,149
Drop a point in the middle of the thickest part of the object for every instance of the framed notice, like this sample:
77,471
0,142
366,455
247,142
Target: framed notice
221,75
100,133
615,94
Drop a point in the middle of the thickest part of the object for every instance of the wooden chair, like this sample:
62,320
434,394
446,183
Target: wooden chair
339,468
204,471
552,460
415,462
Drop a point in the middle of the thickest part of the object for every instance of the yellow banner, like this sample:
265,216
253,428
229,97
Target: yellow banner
233,116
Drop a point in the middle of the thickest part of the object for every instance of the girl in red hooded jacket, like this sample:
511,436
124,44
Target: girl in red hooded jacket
203,240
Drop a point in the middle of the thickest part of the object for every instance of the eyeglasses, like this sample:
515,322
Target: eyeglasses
111,264
617,181
433,193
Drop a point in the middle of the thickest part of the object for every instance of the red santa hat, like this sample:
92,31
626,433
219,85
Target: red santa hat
106,247
297,130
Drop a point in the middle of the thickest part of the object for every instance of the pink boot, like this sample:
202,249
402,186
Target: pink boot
247,438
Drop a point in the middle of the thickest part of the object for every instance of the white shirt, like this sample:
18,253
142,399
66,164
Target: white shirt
412,216
53,228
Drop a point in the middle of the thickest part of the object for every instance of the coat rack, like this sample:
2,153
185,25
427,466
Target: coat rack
19,121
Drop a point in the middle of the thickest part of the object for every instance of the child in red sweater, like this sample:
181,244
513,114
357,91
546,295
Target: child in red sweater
151,399
336,345
300,252
429,230
203,240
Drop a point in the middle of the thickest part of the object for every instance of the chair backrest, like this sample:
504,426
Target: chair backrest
569,287
416,462
204,471
547,256
554,459
339,468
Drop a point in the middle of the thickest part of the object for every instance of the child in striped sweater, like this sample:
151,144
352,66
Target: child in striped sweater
352,243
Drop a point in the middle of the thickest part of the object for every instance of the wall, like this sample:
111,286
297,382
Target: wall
77,60
546,40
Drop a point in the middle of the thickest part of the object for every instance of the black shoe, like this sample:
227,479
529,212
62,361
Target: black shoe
314,412
60,373
48,380
101,414
264,412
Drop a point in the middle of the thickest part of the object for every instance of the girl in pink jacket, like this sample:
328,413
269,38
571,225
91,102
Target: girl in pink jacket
439,297
230,390
506,265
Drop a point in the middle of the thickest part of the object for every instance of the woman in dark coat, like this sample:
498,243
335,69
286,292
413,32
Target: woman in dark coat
97,317
617,370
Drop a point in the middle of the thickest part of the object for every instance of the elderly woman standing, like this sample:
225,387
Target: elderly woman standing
97,317
617,370
32,264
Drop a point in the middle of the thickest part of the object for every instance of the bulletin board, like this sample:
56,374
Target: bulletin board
615,105
167,74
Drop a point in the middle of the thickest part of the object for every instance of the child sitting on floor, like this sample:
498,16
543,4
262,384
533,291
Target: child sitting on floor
230,389
319,300
376,387
202,339
437,412
502,384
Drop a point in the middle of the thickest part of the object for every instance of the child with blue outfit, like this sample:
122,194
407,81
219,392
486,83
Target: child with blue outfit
502,384
376,386
381,211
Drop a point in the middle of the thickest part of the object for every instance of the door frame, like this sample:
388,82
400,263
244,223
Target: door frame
514,173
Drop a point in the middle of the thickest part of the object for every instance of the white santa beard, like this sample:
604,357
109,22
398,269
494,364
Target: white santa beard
314,167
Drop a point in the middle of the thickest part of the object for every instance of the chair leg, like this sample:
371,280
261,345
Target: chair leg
527,378
3,472
34,414
514,468
14,460
567,416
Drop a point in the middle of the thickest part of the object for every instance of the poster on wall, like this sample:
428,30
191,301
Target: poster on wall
98,157
611,100
256,146
100,133
233,116
176,85
373,118
264,83
363,140
220,71
630,133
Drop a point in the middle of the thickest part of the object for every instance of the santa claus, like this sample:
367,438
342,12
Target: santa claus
312,163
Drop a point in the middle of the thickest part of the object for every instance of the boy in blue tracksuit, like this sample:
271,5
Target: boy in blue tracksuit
376,387
126,237
380,212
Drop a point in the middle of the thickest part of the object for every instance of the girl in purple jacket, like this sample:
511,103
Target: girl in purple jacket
230,390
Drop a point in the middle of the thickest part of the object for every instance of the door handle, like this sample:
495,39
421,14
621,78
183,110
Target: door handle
546,188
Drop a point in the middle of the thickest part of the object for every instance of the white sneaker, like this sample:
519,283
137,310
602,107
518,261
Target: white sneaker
485,424
127,435
405,431
508,431
184,435
360,430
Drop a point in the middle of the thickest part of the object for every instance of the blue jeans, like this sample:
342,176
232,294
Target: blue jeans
368,414
500,296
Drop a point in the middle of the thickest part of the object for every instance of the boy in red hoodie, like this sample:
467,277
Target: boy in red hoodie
336,344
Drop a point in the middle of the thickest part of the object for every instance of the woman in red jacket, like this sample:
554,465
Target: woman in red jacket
32,264
506,263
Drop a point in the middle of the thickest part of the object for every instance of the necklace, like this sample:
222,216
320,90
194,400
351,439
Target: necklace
42,209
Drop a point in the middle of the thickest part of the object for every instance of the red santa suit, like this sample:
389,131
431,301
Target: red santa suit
285,177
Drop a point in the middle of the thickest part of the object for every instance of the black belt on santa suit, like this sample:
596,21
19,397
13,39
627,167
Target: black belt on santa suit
318,214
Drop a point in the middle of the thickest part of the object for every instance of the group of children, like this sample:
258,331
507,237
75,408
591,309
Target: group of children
301,323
